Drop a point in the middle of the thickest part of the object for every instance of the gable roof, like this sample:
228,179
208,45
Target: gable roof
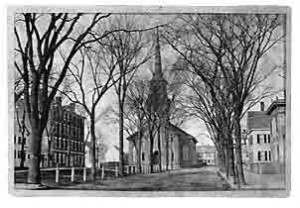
258,120
276,103
187,136
174,128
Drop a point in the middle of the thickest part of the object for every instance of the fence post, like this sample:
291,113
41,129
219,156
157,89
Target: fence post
57,174
84,174
72,174
102,174
116,171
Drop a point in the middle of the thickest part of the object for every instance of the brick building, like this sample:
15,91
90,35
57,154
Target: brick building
63,138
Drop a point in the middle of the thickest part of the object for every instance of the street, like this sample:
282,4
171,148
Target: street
197,179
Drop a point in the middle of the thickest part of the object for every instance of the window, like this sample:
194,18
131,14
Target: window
265,138
258,156
19,154
19,140
28,156
143,156
269,139
266,155
257,139
269,155
14,139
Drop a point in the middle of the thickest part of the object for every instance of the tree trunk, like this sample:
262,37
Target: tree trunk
23,154
221,159
121,128
139,148
229,160
93,155
167,150
34,174
151,151
238,149
159,148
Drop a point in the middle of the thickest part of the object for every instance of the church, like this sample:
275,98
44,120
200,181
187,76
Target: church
172,147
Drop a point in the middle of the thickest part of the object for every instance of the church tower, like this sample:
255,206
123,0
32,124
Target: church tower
158,98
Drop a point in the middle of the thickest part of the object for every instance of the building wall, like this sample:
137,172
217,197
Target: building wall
207,154
278,136
259,146
176,150
63,138
67,139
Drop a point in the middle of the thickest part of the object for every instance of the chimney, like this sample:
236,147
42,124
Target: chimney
58,101
262,106
72,107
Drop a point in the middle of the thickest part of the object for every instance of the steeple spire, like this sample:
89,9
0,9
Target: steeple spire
157,58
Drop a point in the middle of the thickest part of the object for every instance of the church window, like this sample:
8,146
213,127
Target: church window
143,156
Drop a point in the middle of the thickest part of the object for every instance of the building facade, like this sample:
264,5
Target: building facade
172,147
258,149
207,154
63,137
277,113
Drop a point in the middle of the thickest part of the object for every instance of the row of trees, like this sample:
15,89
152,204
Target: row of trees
220,57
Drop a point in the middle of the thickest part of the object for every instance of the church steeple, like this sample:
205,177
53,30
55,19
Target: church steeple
158,97
157,59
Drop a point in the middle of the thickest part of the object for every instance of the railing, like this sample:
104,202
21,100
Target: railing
72,174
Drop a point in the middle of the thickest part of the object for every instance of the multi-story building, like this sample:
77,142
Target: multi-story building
63,137
258,155
277,113
207,154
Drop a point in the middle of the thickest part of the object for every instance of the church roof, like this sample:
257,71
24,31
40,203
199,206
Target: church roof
187,135
172,127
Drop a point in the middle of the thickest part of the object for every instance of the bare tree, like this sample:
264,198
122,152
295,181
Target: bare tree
229,47
134,113
91,80
129,51
38,38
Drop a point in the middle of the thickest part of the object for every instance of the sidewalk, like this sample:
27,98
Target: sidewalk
256,181
263,181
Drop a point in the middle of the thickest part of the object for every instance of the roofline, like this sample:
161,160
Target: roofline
250,130
184,132
274,104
